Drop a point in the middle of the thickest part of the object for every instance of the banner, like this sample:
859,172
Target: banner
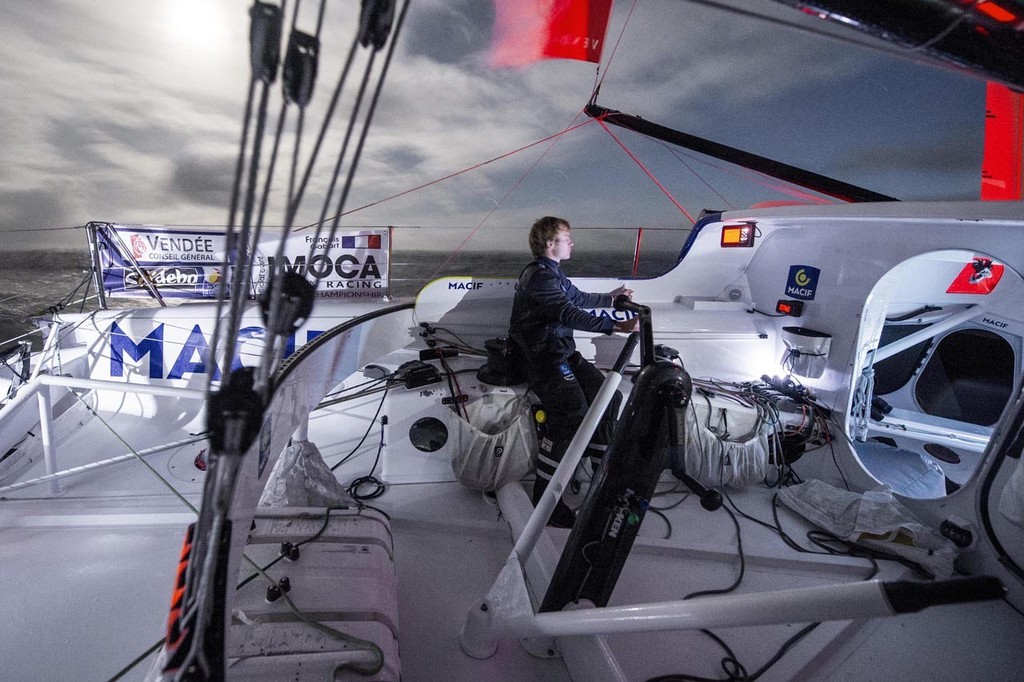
526,31
180,263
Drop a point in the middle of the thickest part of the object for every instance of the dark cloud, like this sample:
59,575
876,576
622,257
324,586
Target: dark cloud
402,158
203,180
31,216
450,33
137,111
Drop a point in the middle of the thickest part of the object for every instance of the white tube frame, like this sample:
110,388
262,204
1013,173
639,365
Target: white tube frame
506,610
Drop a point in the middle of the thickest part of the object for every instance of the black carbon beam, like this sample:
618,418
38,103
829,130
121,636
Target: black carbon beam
791,174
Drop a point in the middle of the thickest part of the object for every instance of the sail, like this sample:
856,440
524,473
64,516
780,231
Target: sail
525,32
1003,162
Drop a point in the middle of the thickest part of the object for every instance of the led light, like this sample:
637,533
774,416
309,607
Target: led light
791,308
1000,14
738,235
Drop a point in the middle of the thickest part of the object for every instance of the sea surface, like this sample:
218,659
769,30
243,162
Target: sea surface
37,283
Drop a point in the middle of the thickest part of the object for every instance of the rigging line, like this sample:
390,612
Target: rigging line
685,163
817,32
222,290
599,76
353,117
293,202
369,120
270,168
647,172
301,123
572,126
43,229
135,453
243,246
745,174
459,172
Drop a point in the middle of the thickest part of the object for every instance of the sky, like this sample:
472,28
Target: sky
131,111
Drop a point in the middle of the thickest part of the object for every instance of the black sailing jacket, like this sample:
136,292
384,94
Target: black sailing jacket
546,310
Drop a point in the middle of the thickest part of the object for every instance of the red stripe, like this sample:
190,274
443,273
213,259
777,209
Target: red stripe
1001,167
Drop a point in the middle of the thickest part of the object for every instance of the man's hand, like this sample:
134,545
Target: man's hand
622,290
627,326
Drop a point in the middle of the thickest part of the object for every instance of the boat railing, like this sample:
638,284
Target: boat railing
33,407
574,610
420,254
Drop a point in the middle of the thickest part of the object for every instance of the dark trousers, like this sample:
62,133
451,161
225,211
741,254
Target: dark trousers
566,390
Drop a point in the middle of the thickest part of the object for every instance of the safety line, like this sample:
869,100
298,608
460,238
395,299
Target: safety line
134,453
599,77
472,233
455,174
647,172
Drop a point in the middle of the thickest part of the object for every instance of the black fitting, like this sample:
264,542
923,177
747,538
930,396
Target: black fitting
291,551
264,40
295,303
300,66
236,400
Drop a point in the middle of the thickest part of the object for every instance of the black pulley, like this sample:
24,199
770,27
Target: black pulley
375,22
264,40
300,65
235,414
295,303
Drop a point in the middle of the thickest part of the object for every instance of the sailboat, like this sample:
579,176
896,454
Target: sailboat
815,473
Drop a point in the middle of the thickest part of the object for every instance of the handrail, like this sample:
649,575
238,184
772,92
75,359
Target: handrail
39,389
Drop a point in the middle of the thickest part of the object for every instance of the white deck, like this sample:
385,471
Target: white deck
89,573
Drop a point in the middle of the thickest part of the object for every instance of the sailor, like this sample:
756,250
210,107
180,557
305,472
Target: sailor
546,310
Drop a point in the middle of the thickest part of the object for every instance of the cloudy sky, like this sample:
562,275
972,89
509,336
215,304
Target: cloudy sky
131,110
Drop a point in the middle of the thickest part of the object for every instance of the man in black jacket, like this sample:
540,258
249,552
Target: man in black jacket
546,310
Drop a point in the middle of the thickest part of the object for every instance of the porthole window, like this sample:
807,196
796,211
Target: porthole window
428,434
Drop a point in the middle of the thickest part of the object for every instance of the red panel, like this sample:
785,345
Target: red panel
980,276
1004,152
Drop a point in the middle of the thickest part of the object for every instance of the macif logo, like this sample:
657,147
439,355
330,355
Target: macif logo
192,352
803,282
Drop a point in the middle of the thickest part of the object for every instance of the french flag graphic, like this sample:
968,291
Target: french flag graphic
361,241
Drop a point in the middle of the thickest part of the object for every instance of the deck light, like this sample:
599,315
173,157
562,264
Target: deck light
738,235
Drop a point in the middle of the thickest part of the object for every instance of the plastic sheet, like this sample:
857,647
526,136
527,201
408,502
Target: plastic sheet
301,478
873,519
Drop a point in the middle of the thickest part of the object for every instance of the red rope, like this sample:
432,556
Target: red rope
599,77
457,173
557,136
647,172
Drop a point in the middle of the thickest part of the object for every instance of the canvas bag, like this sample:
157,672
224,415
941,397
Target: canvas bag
736,462
496,443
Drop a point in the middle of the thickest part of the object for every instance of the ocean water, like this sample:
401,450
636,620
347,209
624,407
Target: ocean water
33,283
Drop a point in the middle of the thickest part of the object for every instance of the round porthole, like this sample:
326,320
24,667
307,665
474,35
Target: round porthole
428,434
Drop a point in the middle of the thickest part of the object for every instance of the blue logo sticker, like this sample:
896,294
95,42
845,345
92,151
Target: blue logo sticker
567,374
803,282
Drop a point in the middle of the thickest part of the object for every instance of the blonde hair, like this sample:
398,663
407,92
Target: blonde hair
543,231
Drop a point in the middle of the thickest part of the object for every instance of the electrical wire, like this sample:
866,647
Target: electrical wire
369,479
369,428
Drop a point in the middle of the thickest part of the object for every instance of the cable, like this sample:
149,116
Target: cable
369,428
369,479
